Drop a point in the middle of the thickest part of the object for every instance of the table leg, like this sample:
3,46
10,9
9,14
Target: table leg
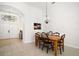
55,47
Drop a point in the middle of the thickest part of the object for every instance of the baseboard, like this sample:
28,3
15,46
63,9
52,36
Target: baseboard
27,41
73,46
7,38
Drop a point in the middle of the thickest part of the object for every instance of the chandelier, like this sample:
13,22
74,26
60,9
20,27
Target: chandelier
46,21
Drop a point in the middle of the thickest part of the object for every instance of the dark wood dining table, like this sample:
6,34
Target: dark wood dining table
54,39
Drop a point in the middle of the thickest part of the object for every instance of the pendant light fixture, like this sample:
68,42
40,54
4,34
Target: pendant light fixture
46,21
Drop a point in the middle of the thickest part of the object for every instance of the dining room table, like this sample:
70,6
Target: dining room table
54,39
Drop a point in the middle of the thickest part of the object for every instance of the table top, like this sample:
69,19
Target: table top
54,37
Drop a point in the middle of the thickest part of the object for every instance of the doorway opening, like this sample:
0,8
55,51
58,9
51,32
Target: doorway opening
11,23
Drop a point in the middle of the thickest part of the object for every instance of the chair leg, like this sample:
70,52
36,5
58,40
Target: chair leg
52,48
39,44
47,49
42,46
60,50
63,49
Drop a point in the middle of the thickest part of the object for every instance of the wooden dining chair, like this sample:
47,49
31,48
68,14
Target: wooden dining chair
46,42
42,38
39,33
56,33
49,33
61,43
37,38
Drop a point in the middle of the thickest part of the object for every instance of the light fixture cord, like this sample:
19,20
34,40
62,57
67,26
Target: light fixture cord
46,10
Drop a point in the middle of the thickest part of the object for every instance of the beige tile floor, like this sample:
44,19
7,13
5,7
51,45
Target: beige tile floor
15,47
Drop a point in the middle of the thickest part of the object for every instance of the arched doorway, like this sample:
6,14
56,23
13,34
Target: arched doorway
10,22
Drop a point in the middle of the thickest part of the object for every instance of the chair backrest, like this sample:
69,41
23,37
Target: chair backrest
56,33
62,36
39,33
43,35
37,36
62,39
50,33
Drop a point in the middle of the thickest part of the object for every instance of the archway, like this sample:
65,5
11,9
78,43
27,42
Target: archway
10,22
